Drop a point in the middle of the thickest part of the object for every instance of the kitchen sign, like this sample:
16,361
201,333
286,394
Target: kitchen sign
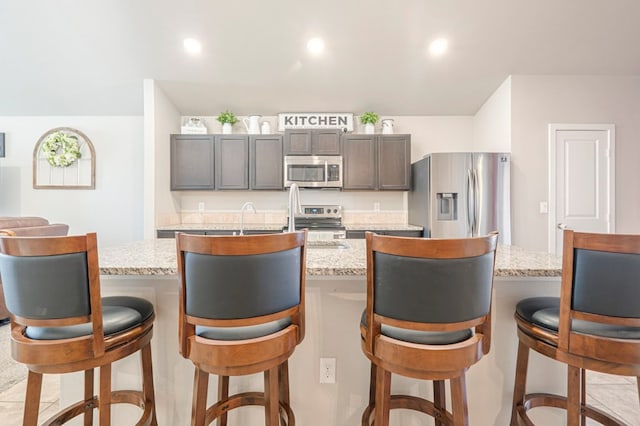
315,120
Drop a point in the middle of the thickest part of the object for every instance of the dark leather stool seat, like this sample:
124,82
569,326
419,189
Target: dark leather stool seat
60,324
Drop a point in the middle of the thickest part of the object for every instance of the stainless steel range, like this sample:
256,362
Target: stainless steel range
324,222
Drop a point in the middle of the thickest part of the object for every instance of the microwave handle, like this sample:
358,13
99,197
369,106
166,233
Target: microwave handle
326,172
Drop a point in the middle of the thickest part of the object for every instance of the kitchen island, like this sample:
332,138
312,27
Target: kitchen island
335,299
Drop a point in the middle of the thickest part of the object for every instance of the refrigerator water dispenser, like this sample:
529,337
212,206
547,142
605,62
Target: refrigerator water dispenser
447,203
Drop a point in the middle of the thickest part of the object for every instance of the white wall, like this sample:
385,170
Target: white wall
161,119
113,209
538,101
492,122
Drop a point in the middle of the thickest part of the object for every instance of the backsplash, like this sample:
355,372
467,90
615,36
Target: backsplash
271,206
353,217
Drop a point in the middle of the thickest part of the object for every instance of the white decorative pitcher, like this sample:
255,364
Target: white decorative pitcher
387,126
252,124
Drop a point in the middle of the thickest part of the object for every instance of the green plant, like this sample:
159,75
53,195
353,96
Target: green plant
369,117
227,117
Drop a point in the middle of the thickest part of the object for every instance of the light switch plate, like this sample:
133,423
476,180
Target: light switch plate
544,207
1,145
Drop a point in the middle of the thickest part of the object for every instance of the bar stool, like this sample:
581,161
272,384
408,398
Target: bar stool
241,312
59,324
428,317
593,325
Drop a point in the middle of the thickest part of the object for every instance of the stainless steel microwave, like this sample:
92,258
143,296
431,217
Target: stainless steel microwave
313,171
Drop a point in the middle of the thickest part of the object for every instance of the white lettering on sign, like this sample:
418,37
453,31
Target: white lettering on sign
315,120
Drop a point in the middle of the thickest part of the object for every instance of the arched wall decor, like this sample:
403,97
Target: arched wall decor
81,174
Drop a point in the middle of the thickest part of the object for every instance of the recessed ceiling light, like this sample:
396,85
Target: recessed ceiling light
315,46
192,46
438,46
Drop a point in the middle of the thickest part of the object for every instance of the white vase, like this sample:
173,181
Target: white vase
226,128
369,129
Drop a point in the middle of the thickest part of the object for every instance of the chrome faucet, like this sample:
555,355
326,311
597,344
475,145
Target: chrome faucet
246,206
294,206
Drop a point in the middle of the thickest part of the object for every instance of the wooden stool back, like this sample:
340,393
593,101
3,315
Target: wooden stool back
241,310
428,316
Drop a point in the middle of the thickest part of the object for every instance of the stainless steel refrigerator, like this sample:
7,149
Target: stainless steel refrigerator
461,194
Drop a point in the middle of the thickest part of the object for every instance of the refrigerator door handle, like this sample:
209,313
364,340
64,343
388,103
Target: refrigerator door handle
470,203
476,203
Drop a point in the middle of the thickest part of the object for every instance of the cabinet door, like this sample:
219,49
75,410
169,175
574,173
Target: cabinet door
325,142
221,232
414,234
265,154
297,142
232,162
192,162
394,162
359,162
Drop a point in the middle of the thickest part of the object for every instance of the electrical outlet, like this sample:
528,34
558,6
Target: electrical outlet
327,370
200,206
376,206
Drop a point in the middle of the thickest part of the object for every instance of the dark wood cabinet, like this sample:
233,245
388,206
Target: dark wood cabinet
359,162
358,234
192,162
381,162
266,162
232,162
312,142
226,162
241,162
394,162
171,233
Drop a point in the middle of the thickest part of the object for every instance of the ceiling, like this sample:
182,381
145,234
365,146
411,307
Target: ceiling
90,57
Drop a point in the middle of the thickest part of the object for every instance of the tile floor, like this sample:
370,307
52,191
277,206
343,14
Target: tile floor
11,401
610,393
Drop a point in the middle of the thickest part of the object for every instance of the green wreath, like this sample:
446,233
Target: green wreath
61,149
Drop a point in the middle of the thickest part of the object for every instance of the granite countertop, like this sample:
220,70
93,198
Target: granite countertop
158,257
231,226
278,226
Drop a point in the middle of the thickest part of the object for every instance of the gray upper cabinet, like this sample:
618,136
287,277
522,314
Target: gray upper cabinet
380,162
232,161
312,142
192,162
266,162
359,162
394,162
